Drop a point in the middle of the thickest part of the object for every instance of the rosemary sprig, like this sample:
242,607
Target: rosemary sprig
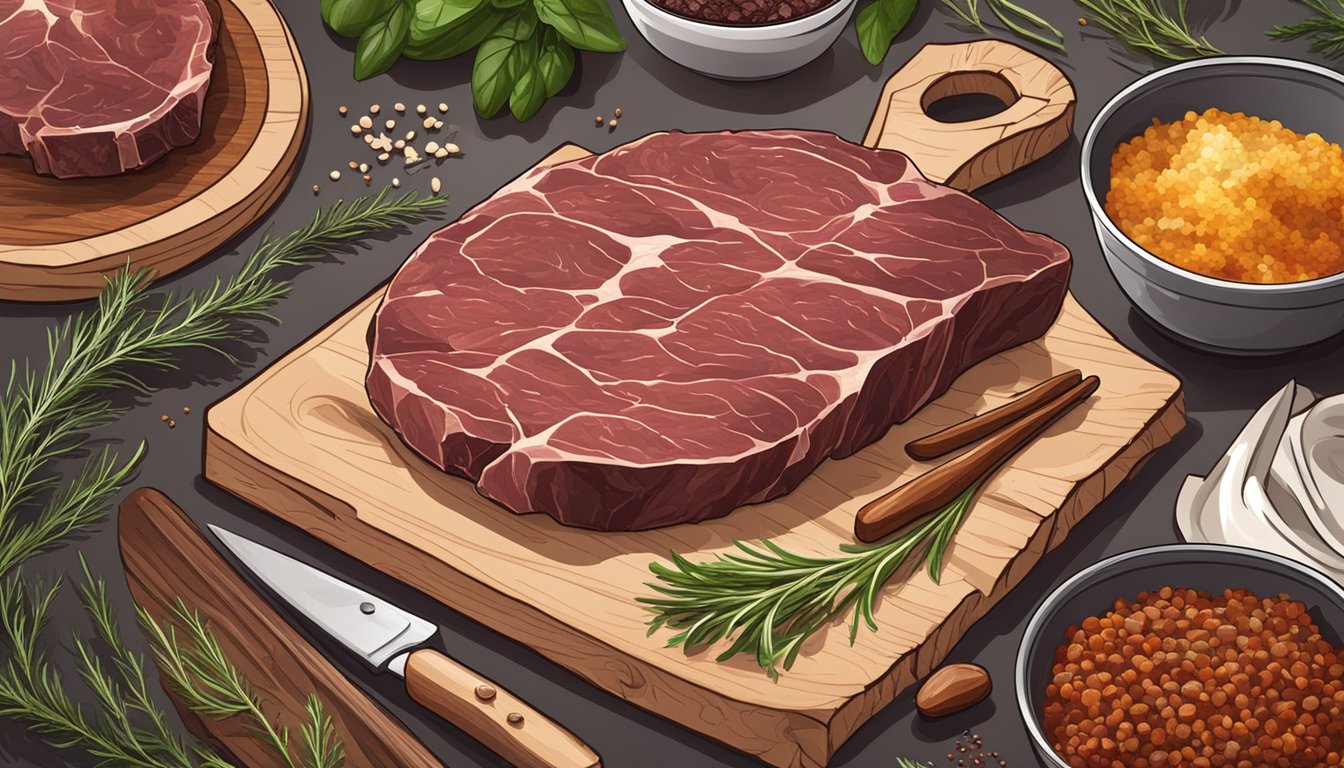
201,673
1009,14
1147,26
773,600
1326,28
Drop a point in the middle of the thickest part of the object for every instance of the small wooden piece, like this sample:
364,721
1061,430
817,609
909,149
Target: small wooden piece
1038,116
60,238
167,558
940,486
982,425
501,721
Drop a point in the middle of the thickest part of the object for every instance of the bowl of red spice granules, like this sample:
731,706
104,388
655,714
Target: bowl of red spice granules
740,39
1186,655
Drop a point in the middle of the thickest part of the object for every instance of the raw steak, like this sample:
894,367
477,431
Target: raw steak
693,322
100,87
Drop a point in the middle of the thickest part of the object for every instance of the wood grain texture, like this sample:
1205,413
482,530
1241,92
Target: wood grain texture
1038,116
167,558
61,237
302,442
501,721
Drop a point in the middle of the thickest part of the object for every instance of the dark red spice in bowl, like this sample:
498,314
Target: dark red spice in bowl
743,12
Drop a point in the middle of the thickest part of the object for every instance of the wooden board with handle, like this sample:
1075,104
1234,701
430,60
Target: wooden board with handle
167,558
301,441
60,238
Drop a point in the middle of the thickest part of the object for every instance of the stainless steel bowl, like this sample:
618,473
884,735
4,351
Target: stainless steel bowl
1093,591
1220,315
739,51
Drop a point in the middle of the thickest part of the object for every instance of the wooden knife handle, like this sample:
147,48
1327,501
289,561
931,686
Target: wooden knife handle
938,487
964,433
493,716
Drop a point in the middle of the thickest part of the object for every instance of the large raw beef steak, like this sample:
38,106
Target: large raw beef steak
101,87
693,322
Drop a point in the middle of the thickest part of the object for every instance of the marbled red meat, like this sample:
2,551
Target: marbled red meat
101,87
693,322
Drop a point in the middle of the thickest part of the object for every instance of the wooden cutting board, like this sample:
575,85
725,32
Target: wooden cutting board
59,238
301,441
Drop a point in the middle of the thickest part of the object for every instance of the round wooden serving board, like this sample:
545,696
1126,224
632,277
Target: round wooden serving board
59,238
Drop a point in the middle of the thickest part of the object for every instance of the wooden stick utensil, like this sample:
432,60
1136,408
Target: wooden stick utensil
940,486
981,425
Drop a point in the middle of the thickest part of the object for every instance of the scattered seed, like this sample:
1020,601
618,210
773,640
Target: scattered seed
186,409
384,157
363,167
410,135
353,165
373,110
443,107
399,107
367,178
171,424
420,109
164,418
400,144
335,175
441,152
611,123
390,124
314,189
598,120
434,185
429,123
368,139
355,129
396,182
452,148
1082,22
343,111
438,124
432,147
617,112
365,122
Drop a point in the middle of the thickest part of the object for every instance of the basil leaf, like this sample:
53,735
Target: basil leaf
556,63
507,3
441,29
879,24
352,17
586,24
381,43
502,58
529,93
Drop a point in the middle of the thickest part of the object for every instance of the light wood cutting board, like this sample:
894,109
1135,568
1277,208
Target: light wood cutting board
301,441
60,238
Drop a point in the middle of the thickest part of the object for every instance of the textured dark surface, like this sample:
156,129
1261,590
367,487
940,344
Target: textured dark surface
834,93
706,319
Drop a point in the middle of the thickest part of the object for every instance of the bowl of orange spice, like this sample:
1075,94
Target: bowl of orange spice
1217,190
1187,655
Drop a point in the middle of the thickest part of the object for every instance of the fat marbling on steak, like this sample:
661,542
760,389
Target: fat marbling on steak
693,322
101,87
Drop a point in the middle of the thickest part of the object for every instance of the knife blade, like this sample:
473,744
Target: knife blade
390,639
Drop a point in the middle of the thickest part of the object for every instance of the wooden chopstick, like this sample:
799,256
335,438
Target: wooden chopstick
964,433
940,486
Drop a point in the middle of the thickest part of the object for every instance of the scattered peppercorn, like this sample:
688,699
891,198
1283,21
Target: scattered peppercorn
1082,22
163,418
744,12
1180,678
186,409
617,112
343,111
315,188
611,123
171,424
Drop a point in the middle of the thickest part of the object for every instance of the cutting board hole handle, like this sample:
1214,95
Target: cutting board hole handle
960,97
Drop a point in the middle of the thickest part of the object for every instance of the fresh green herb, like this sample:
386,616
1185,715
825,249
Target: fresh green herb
525,49
46,415
773,600
879,23
1326,29
200,672
1147,26
1021,21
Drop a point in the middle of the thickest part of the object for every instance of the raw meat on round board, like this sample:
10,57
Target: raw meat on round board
101,87
693,322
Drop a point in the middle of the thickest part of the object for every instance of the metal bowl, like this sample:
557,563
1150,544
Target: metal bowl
1219,315
736,51
1093,591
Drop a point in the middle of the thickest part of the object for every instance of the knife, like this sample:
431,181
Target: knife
390,639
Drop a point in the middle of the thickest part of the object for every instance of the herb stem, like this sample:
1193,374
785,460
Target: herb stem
1147,26
1325,29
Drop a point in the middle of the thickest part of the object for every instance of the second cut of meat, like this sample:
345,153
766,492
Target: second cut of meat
693,322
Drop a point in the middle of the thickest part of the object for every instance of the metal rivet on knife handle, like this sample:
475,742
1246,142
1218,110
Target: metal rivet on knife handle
366,608
515,718
485,692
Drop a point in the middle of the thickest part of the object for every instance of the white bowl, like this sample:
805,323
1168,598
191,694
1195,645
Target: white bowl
1206,312
740,51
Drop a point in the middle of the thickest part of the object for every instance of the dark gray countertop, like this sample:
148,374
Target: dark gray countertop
834,93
